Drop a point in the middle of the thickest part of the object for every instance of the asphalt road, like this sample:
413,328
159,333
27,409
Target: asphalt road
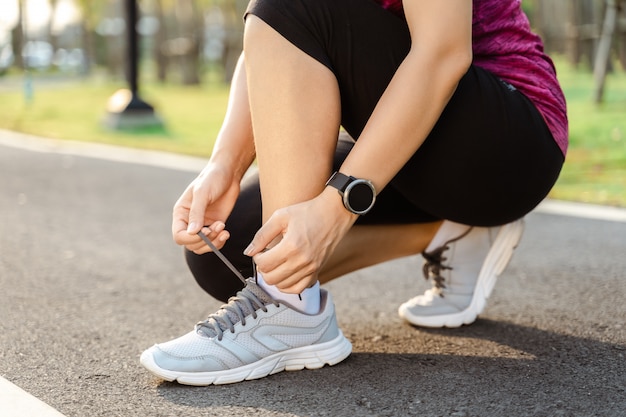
89,278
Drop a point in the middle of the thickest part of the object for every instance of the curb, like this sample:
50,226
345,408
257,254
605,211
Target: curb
15,402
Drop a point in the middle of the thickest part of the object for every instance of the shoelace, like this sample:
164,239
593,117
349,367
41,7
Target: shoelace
244,304
433,265
223,258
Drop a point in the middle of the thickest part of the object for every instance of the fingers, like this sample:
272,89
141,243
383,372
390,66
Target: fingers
180,218
179,227
218,239
198,206
289,277
285,267
302,285
205,203
216,233
270,231
291,264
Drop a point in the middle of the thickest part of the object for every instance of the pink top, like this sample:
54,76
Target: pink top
504,44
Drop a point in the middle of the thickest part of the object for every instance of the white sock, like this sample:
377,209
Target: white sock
308,301
448,230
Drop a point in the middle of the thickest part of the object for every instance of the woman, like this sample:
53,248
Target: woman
460,129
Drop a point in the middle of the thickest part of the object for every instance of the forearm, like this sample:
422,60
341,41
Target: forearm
234,147
418,92
402,119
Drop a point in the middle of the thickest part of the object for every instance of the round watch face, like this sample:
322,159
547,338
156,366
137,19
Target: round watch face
359,196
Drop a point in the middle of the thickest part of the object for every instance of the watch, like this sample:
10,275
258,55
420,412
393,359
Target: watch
358,195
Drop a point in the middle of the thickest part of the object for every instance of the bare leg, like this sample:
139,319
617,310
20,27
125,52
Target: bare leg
365,246
295,108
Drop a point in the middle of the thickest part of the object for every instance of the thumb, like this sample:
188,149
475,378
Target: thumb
196,213
273,228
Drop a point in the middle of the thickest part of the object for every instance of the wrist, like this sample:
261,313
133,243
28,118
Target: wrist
233,150
228,162
357,194
333,202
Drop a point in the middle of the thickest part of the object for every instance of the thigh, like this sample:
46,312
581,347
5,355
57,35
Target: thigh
359,41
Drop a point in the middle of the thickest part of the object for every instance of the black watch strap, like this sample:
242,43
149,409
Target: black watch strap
339,181
358,195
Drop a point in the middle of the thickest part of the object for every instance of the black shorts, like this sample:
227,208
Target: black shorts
489,160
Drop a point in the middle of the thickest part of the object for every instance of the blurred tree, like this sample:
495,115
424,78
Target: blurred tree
87,30
160,38
178,39
112,27
233,43
52,36
90,11
183,33
605,45
17,37
187,46
574,27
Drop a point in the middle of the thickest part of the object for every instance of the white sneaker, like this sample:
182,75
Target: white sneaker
462,285
250,337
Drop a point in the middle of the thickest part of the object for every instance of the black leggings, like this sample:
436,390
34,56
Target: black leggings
489,160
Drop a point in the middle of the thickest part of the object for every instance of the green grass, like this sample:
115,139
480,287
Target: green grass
595,170
75,111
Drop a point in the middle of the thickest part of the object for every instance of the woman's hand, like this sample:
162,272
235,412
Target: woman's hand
300,238
207,201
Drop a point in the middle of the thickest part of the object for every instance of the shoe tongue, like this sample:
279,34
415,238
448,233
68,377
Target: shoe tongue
208,329
258,291
254,289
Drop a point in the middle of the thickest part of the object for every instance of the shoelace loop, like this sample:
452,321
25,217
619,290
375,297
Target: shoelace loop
244,304
433,265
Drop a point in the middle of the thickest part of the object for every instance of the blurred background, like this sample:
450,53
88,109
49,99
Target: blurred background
62,62
180,39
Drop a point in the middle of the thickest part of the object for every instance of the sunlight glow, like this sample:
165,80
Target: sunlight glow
37,14
65,14
8,14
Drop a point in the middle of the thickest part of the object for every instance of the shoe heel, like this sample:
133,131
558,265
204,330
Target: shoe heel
512,234
506,241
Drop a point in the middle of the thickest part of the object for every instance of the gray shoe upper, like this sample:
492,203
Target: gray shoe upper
250,327
245,303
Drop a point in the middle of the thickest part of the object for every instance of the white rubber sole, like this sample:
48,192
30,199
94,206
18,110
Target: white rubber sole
309,357
497,259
